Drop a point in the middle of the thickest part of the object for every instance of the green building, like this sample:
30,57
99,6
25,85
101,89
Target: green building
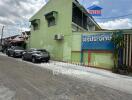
58,27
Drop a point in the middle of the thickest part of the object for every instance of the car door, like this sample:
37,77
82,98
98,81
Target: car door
11,50
25,54
29,54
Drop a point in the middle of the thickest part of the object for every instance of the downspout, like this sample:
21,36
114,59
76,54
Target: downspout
81,60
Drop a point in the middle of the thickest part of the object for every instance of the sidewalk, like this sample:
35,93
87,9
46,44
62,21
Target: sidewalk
99,76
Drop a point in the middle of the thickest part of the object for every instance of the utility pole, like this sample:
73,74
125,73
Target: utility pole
2,34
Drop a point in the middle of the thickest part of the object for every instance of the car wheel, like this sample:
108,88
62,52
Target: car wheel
14,55
33,60
8,54
46,60
23,58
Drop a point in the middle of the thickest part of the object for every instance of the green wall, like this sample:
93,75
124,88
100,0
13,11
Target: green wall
44,37
69,48
102,60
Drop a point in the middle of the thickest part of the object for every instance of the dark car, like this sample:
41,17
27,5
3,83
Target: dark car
15,51
36,55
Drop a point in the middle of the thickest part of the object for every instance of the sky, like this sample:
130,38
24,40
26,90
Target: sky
111,11
15,14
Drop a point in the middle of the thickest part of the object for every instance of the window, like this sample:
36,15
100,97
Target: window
79,17
51,22
36,24
51,18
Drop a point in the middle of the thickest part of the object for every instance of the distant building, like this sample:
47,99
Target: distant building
16,40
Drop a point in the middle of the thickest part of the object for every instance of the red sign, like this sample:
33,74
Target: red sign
94,12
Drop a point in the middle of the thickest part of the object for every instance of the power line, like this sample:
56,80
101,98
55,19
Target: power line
115,17
130,14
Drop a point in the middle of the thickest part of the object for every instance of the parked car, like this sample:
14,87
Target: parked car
15,51
36,55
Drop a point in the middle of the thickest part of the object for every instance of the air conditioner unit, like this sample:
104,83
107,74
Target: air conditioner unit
59,37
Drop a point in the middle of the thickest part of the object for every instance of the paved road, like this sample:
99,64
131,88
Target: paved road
23,81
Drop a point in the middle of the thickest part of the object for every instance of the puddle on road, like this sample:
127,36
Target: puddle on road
6,93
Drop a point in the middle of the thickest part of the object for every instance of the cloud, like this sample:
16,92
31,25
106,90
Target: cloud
14,12
95,3
125,23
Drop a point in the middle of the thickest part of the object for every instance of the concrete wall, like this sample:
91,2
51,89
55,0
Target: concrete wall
102,59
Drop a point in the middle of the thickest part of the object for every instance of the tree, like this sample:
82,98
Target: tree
118,41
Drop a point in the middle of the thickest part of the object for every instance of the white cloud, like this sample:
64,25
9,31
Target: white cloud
125,23
15,13
95,3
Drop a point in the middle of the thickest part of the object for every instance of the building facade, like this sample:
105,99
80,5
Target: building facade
53,26
60,26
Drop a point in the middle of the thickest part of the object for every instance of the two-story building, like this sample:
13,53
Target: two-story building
53,27
59,26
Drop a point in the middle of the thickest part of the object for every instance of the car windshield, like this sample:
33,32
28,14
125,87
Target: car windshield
38,52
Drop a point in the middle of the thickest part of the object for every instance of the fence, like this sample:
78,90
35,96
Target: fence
127,52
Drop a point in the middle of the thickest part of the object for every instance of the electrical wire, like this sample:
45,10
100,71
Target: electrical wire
130,14
115,16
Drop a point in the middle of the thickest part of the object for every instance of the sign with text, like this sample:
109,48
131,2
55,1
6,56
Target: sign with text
97,41
95,10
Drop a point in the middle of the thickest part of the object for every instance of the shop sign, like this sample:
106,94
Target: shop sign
97,41
95,10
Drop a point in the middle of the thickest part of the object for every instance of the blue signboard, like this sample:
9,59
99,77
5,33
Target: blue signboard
95,10
97,42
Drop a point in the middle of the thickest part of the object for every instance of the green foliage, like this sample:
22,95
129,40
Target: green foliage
118,41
